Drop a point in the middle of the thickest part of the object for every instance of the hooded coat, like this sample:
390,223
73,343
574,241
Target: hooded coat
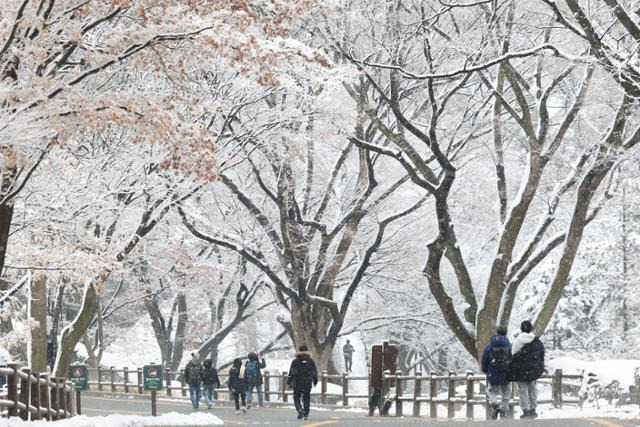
494,376
210,374
527,363
237,381
303,374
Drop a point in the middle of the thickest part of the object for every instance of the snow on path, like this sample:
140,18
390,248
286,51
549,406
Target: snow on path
172,418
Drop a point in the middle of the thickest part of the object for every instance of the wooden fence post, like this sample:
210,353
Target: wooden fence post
283,386
267,387
451,395
99,378
433,394
25,391
71,399
12,390
125,379
557,388
35,397
183,390
53,398
345,390
139,380
45,396
62,397
113,379
417,391
398,394
470,395
167,381
323,387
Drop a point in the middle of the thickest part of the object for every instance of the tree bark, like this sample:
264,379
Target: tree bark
38,315
6,214
74,331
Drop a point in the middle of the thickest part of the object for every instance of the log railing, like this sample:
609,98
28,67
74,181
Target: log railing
35,396
417,394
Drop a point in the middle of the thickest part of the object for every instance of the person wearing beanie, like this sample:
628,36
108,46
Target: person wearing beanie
303,375
193,377
496,359
526,367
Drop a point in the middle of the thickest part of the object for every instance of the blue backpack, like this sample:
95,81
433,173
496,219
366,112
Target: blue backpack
251,370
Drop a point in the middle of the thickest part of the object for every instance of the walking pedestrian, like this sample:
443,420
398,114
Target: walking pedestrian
193,377
209,381
303,375
527,366
496,359
347,351
238,385
253,374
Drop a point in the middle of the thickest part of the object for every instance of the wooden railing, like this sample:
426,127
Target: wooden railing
35,396
409,393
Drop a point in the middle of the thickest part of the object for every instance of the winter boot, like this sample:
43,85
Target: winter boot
533,413
300,414
502,413
495,411
526,414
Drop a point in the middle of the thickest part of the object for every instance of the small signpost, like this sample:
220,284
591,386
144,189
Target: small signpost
152,379
78,375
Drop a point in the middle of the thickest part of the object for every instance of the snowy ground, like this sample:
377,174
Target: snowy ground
173,419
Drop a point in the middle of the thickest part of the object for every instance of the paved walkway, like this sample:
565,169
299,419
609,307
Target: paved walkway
286,416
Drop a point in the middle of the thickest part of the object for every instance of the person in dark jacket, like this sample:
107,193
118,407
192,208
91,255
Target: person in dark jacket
253,373
527,366
238,385
303,375
209,381
193,377
496,359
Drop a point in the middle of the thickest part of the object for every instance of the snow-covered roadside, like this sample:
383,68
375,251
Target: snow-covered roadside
172,419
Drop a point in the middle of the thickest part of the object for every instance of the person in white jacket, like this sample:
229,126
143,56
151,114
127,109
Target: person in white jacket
527,365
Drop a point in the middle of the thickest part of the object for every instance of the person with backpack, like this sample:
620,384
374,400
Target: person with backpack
193,377
254,377
496,359
303,375
209,381
347,351
238,385
527,365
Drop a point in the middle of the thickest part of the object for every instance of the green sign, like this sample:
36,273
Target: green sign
78,374
152,375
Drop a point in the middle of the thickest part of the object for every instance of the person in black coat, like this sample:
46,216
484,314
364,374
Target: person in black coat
238,385
527,365
209,381
303,375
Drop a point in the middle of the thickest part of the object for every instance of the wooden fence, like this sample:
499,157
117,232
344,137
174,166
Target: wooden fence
409,393
36,396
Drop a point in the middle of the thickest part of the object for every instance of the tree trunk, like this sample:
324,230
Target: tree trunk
38,315
178,344
6,214
74,331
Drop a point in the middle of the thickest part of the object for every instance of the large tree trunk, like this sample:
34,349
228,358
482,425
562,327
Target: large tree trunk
38,328
74,331
178,346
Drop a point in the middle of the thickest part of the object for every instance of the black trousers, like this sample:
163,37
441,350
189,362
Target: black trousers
305,394
237,397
